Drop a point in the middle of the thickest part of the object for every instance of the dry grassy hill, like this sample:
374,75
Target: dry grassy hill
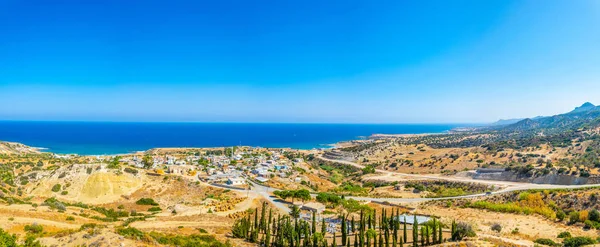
16,148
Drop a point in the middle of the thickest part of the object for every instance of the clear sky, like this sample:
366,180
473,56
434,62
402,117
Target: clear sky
446,61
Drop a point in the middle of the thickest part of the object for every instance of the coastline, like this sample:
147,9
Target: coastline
102,139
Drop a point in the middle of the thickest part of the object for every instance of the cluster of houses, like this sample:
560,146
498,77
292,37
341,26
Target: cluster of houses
231,170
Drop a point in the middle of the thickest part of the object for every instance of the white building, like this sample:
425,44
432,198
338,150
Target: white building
236,181
262,179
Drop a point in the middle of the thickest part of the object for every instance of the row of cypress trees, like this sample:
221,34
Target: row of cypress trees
368,231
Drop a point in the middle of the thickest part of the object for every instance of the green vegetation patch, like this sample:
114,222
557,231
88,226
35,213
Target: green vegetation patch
146,201
195,240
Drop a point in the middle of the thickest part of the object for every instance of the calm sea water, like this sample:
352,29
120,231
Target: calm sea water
115,138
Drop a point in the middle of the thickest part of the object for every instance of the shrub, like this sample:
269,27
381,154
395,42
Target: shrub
169,239
560,215
87,226
463,230
515,231
154,209
591,224
70,218
56,188
578,241
55,204
594,215
131,170
64,192
6,239
34,228
564,235
573,217
31,242
546,241
496,227
146,201
583,215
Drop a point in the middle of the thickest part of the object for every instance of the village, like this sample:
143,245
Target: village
225,167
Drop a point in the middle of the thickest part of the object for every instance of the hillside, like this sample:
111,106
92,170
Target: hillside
16,148
585,116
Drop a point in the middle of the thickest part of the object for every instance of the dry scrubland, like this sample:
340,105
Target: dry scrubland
94,195
91,203
420,158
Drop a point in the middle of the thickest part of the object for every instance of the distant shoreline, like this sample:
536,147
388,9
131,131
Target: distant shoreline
95,138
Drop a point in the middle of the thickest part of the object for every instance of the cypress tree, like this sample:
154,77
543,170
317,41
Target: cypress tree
453,231
344,230
434,232
440,239
268,237
352,225
314,223
348,241
395,229
380,239
361,231
333,244
255,218
415,231
405,239
374,238
323,227
427,235
422,236
263,219
401,242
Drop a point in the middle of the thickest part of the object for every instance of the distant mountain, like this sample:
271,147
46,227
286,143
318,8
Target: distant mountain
587,115
502,122
585,107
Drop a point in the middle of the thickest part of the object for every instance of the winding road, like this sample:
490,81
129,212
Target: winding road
508,186
265,191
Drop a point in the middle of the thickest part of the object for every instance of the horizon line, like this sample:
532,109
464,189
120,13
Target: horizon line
244,122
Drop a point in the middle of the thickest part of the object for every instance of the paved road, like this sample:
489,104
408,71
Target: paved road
508,186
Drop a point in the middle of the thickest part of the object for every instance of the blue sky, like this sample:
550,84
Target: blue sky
297,61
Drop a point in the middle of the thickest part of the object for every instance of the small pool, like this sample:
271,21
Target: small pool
411,218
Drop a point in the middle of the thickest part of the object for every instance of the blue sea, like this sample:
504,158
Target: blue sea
94,138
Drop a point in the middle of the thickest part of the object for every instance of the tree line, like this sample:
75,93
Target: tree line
368,230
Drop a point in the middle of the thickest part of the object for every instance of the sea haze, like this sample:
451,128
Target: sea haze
90,138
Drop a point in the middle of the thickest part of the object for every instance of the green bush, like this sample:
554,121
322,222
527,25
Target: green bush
70,218
56,188
34,228
64,192
573,217
594,215
560,215
169,239
546,241
324,197
154,209
578,241
6,239
564,235
146,201
589,224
